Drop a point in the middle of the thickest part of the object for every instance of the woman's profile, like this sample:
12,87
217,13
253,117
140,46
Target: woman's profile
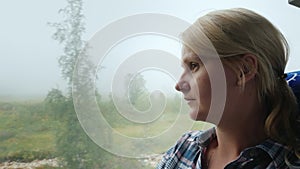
260,124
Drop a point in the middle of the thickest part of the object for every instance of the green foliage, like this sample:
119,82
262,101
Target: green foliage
68,33
55,104
26,132
111,114
6,135
29,131
6,107
28,156
77,150
72,144
55,96
137,91
47,167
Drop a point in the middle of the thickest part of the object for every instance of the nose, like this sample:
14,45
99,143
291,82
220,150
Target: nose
182,86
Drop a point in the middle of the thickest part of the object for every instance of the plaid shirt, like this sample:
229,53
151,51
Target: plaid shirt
190,148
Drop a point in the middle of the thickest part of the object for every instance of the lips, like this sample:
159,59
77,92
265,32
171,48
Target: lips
189,99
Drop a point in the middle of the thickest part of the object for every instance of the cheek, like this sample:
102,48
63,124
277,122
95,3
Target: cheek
202,91
231,77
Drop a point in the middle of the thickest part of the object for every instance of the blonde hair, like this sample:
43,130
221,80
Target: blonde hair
235,32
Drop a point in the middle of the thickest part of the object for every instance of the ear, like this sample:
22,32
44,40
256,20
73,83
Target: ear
249,67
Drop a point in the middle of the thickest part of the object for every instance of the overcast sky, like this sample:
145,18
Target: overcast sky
28,54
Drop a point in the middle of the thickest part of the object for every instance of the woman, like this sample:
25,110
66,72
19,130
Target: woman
259,126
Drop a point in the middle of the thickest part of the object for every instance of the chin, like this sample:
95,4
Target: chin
198,116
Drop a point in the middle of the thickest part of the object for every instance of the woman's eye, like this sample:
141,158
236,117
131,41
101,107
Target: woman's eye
194,66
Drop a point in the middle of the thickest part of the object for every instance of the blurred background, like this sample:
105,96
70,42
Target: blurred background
38,124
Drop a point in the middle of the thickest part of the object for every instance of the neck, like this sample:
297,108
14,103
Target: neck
240,132
243,127
231,142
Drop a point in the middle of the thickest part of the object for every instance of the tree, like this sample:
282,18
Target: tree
55,103
69,34
76,148
137,92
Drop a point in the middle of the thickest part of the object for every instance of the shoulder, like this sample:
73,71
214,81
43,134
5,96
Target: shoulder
185,153
199,137
190,137
281,155
187,142
180,155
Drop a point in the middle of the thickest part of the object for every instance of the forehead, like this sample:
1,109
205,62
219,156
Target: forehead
188,55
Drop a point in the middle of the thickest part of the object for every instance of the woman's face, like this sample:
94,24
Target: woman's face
195,85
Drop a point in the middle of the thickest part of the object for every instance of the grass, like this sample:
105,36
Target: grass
154,129
24,135
28,132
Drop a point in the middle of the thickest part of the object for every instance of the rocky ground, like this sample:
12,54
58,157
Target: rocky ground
152,160
30,165
149,161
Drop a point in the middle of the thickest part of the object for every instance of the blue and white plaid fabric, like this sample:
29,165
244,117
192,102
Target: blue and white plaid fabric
188,151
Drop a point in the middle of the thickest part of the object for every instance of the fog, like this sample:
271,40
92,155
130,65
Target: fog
29,67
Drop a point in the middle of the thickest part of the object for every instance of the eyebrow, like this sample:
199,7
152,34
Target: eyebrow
189,57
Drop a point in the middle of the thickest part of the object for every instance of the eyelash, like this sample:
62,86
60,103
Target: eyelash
193,66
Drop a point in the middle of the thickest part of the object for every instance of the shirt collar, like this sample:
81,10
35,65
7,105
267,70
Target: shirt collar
203,138
275,150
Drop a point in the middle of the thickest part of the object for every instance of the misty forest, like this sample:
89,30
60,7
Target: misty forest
46,133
